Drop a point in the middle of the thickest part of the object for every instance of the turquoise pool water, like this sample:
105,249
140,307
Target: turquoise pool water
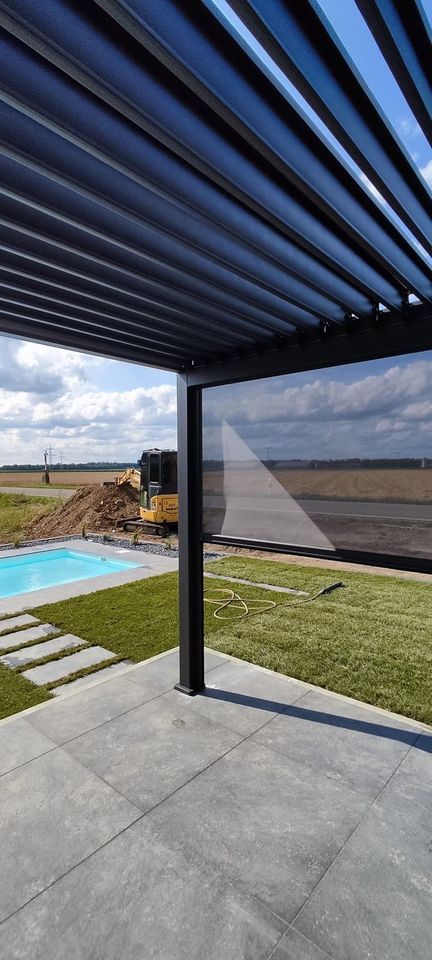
49,568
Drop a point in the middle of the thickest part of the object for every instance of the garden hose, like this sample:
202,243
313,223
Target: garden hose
250,607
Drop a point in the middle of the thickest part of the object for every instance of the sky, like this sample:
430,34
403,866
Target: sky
96,409
376,410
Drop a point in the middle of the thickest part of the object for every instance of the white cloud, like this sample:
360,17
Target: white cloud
377,412
427,172
408,128
47,396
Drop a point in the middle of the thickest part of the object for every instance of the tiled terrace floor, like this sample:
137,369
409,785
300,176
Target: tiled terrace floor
263,819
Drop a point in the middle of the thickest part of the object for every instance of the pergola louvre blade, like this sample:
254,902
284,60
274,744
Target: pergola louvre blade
165,200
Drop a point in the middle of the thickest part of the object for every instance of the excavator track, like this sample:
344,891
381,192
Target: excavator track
155,529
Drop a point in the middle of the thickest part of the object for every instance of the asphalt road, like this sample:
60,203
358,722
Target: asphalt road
64,493
376,510
335,508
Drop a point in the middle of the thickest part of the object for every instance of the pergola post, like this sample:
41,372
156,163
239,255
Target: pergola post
190,543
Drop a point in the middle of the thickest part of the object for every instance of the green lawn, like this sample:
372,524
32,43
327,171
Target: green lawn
18,510
17,693
371,640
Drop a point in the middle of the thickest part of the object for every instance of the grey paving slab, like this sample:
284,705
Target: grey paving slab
22,620
20,742
243,697
254,583
159,676
346,742
81,683
293,946
10,640
62,720
53,812
270,824
48,672
410,788
139,898
376,900
248,834
153,750
17,657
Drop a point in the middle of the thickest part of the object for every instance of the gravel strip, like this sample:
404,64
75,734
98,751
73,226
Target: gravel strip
154,548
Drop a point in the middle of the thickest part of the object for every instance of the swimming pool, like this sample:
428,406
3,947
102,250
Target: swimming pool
49,568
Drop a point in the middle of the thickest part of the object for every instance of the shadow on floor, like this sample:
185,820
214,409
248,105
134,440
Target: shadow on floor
422,741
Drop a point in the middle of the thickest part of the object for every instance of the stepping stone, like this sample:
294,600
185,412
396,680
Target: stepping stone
83,682
48,672
10,640
12,623
17,657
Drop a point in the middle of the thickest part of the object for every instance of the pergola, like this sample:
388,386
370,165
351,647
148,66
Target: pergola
165,200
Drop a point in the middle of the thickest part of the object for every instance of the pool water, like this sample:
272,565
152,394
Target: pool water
49,568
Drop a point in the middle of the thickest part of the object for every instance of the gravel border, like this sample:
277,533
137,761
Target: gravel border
155,548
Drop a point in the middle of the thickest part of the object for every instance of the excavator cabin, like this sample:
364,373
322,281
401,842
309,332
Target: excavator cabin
158,489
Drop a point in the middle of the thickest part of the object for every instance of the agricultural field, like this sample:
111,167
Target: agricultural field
390,486
397,486
59,478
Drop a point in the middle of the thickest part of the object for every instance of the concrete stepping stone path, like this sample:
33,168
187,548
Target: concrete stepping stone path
57,669
15,658
60,669
10,640
12,623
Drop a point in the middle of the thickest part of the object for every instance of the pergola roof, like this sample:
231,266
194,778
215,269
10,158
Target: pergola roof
164,199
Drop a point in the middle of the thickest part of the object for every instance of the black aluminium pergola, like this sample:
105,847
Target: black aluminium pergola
165,200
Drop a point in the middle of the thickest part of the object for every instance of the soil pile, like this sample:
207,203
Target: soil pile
95,508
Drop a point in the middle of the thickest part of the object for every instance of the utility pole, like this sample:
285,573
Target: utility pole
45,475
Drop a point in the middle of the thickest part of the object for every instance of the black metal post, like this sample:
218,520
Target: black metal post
190,544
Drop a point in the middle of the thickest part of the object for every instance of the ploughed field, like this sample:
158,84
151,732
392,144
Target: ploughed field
61,478
352,508
391,486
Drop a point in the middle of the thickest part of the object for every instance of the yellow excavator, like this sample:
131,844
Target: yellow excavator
156,481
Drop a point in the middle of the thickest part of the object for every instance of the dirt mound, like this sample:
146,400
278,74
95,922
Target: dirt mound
95,508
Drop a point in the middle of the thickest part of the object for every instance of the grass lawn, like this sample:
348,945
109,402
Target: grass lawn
18,510
371,640
17,693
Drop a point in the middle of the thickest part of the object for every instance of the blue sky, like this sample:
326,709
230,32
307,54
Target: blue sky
100,409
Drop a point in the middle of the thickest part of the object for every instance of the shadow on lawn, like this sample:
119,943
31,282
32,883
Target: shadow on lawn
422,741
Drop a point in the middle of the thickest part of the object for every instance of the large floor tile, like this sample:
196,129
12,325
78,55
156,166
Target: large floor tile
410,788
243,697
152,750
293,946
270,824
156,676
53,812
137,899
346,742
376,900
159,676
20,742
65,719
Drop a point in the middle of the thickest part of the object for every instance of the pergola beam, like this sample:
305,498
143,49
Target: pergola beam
388,336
